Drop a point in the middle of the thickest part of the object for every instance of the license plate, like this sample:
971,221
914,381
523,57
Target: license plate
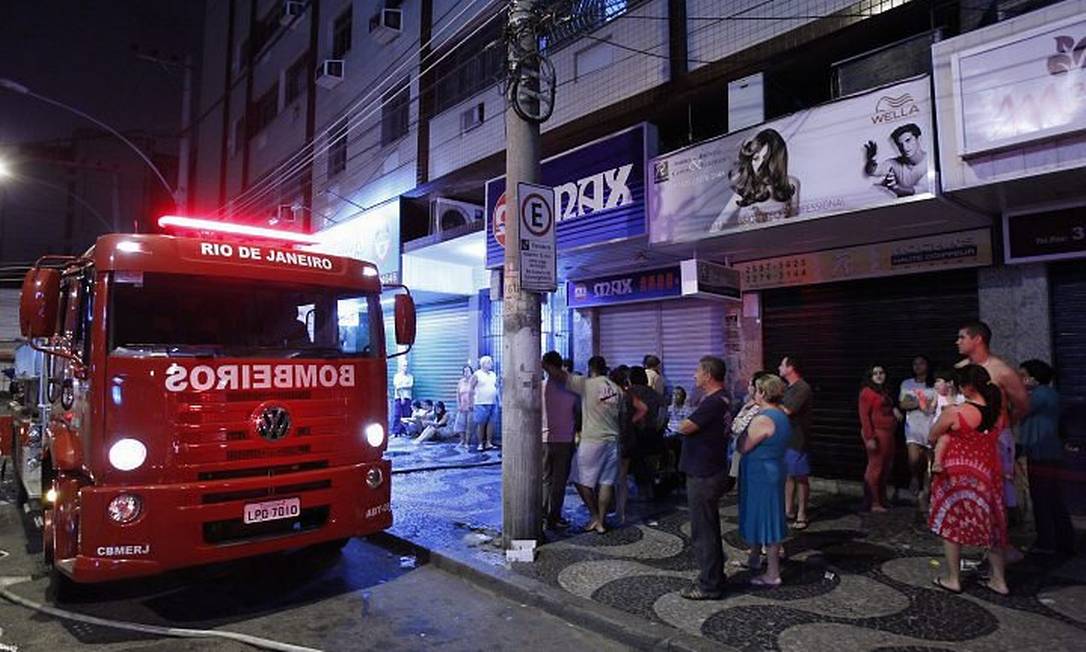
272,510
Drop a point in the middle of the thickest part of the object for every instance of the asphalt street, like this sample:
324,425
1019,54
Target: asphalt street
373,595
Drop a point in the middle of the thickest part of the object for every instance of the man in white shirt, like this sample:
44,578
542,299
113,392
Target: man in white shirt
484,387
403,384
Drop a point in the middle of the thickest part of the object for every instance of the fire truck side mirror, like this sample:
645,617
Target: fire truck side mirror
405,320
38,302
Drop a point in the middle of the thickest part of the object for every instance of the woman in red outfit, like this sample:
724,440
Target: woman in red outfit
967,496
878,421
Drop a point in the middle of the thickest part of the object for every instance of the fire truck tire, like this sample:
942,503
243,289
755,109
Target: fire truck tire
61,588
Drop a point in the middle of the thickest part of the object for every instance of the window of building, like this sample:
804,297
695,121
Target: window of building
474,65
265,109
395,113
341,34
295,80
337,152
265,28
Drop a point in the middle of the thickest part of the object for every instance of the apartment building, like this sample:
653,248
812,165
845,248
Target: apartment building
864,230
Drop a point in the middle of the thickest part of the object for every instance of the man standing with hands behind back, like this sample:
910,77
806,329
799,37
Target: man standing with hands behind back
703,460
797,405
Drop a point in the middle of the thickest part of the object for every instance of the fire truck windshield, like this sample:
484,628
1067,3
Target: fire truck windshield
189,315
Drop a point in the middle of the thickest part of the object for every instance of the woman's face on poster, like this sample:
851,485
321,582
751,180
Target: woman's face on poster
758,160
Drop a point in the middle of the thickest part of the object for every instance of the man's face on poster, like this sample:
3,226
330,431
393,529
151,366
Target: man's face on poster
908,144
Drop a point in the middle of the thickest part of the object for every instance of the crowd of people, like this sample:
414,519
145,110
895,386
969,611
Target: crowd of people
968,430
477,414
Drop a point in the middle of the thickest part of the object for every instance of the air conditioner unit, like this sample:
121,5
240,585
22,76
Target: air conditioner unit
386,25
291,10
330,73
472,117
448,214
285,213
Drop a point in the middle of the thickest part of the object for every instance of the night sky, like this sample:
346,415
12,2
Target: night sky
82,53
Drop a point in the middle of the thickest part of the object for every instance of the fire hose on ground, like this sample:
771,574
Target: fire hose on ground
176,632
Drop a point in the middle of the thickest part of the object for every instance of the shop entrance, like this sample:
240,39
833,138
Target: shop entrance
837,329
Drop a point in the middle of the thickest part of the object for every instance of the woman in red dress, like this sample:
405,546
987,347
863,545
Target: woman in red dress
878,421
967,496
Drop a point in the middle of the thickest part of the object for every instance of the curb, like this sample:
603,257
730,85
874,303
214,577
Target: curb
612,623
837,487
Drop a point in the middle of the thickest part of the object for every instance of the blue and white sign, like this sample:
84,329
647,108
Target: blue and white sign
650,285
372,235
599,193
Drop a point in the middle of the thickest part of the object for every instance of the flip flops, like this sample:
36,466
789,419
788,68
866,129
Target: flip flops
938,583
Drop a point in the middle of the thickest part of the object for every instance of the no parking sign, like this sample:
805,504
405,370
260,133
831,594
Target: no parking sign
538,267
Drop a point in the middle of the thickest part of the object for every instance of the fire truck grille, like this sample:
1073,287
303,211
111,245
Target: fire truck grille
260,471
235,530
258,453
265,492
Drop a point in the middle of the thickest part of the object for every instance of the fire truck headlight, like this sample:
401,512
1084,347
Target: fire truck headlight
125,508
375,434
127,454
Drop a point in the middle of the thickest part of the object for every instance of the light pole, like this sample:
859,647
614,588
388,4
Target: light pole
16,87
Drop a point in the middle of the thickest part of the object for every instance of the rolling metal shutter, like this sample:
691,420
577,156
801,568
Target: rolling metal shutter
838,329
1068,295
680,331
440,352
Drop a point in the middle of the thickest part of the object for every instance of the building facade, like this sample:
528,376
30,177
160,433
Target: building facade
810,147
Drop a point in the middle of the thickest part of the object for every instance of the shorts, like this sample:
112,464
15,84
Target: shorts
595,463
484,414
917,439
796,463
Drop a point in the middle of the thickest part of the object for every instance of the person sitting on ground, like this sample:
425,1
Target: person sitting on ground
434,423
420,410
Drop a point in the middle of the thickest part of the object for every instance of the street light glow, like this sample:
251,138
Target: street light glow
5,169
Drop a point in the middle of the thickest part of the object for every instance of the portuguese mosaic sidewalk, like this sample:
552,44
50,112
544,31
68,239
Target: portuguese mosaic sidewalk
852,581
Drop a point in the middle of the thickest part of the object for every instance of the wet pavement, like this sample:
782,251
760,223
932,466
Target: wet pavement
851,581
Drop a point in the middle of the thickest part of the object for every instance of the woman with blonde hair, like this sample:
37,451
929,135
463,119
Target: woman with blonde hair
761,478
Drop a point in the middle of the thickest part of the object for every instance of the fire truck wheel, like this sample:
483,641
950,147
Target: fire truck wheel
332,547
62,589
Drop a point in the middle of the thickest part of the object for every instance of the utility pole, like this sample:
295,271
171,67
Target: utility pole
522,399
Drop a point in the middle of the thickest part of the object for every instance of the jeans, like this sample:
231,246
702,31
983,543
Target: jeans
556,461
1054,529
703,498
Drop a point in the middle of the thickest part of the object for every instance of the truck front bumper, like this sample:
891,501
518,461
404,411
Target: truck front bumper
190,524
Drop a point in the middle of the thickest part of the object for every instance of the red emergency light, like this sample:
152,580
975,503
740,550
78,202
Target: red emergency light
172,222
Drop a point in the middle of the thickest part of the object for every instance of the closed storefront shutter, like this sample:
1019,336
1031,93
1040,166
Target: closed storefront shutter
1068,292
441,351
690,329
627,333
837,329
680,331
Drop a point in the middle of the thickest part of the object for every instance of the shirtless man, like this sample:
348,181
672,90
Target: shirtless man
974,339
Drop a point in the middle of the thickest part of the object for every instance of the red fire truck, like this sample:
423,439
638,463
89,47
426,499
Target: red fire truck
210,395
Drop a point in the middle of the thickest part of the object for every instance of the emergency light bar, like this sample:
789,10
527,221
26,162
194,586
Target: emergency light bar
233,228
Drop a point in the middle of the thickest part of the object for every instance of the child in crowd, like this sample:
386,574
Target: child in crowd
946,393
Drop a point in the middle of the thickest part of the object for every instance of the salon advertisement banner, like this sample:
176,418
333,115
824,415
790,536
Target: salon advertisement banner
862,152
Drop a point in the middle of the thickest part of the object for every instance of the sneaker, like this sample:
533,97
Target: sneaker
695,592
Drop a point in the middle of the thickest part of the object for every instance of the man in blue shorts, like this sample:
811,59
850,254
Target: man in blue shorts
797,405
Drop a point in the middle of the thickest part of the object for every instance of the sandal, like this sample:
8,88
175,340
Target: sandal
938,583
762,582
800,524
694,592
988,585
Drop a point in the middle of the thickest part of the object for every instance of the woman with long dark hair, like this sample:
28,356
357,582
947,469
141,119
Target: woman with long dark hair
967,494
763,189
878,421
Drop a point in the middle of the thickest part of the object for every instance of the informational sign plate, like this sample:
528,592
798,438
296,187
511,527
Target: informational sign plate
632,287
706,280
538,261
1052,235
